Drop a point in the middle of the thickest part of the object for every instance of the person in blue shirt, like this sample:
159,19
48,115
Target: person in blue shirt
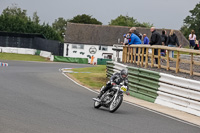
134,38
146,39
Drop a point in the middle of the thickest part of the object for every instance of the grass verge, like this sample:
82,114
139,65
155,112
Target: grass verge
21,57
94,80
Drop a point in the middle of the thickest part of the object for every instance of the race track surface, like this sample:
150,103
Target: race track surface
36,98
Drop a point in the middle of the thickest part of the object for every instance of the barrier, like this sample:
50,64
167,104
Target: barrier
186,93
178,81
118,67
101,61
18,50
26,51
29,51
164,89
143,83
45,54
5,50
71,60
52,58
109,69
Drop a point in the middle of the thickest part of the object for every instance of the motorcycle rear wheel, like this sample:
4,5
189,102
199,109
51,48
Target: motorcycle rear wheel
116,104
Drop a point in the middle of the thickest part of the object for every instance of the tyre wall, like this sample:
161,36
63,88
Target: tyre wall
164,89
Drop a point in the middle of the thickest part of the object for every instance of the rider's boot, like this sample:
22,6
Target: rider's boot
98,97
100,94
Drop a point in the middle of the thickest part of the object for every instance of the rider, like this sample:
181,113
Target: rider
117,78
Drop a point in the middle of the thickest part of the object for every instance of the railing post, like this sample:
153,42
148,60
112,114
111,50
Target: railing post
159,64
142,60
131,54
167,59
128,54
177,61
134,55
147,56
125,54
139,50
191,65
152,58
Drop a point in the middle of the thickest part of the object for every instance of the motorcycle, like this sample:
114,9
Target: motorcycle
112,98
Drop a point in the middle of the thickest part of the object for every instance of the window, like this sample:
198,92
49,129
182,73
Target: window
74,46
78,46
103,48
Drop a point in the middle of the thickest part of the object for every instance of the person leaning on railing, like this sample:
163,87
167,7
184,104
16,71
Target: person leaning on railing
134,39
146,41
172,41
155,40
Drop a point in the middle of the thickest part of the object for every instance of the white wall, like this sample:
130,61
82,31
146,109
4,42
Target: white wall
24,51
18,50
86,52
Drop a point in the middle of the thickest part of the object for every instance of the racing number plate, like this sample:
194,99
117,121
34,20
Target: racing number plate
123,88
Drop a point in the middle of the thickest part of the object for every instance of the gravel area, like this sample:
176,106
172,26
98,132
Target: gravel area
173,64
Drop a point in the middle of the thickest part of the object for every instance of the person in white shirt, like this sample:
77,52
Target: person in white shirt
192,39
125,39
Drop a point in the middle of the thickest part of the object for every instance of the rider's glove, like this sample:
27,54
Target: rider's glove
113,83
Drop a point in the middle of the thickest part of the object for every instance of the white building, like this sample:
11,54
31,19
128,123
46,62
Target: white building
85,40
86,51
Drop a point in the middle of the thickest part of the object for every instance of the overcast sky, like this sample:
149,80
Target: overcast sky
167,14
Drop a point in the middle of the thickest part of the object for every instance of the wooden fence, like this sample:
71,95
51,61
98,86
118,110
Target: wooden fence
145,58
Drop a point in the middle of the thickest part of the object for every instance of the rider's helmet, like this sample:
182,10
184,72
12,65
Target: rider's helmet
123,73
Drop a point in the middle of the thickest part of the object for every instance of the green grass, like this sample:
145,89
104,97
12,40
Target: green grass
21,57
175,52
96,79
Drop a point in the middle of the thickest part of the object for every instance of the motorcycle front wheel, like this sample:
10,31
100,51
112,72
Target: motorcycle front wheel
115,104
97,104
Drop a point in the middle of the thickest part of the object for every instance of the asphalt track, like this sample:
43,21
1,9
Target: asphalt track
36,98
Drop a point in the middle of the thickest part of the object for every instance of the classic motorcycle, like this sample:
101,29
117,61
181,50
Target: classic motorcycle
112,98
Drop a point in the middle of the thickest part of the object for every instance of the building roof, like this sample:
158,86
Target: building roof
105,35
28,35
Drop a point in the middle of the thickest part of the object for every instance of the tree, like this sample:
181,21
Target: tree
85,19
14,19
15,11
59,26
124,21
192,22
129,21
35,18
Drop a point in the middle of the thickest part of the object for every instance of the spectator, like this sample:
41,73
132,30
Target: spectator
164,42
172,41
196,45
146,39
125,40
192,39
133,30
134,40
128,36
164,38
155,40
92,60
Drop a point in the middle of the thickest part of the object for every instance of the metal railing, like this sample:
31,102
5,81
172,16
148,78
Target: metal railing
140,55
